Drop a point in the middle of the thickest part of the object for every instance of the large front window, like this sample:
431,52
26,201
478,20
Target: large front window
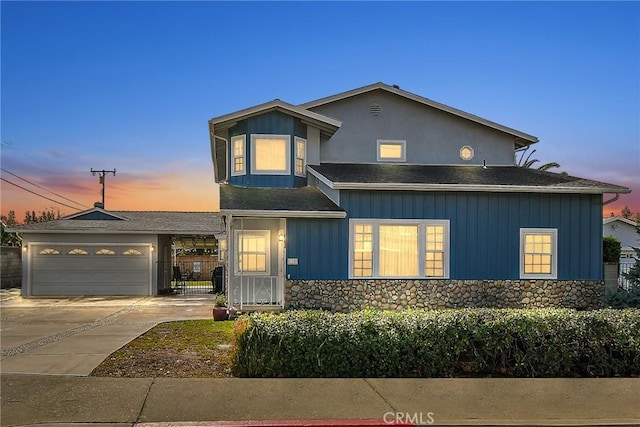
538,253
271,154
252,254
399,248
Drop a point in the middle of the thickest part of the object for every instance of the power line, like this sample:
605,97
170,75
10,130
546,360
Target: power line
40,195
39,186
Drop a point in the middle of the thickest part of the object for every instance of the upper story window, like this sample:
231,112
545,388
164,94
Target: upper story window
238,165
301,156
466,152
392,151
538,253
271,154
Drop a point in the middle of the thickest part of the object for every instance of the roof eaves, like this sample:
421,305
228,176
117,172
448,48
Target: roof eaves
618,218
328,123
95,209
266,213
478,188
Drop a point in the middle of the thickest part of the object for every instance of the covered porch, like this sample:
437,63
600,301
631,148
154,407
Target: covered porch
255,221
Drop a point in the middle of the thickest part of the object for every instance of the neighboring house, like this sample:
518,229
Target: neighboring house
379,197
624,230
98,252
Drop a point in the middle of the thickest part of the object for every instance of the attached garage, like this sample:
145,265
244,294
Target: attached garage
90,269
107,253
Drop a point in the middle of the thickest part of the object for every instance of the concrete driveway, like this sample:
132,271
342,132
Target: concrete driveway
71,336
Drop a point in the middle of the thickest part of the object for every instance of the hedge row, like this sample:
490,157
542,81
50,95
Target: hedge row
439,343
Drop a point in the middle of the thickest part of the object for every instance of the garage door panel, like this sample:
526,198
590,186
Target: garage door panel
90,274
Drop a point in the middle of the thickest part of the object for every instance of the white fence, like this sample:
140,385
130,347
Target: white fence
257,290
624,268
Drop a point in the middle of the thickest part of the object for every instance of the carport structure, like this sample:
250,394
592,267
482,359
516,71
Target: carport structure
99,252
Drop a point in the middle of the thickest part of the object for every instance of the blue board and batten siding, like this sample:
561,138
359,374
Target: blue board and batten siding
274,123
484,231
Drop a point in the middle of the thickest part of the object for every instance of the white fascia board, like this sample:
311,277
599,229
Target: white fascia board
459,187
320,177
618,218
230,119
94,209
103,231
283,214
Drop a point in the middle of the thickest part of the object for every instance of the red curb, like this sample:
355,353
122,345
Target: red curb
279,423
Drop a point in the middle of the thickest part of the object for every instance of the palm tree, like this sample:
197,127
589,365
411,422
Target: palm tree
525,160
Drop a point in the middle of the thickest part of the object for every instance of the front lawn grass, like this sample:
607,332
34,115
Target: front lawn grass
184,349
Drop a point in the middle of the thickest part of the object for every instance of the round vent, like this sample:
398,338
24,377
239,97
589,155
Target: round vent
375,110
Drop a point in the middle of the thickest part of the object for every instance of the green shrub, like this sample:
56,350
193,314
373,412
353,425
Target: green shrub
439,343
611,249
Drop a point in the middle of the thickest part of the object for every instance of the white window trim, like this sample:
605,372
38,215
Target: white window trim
233,156
422,246
554,253
401,143
296,140
267,235
287,139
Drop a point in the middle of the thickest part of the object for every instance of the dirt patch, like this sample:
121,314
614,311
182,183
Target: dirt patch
189,349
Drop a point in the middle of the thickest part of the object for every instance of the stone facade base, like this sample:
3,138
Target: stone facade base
351,295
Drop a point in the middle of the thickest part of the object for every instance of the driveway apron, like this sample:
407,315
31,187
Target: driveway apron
71,336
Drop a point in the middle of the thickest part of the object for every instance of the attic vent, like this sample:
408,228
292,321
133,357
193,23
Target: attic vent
375,110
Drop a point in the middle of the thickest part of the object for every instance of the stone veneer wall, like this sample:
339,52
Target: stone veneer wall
350,295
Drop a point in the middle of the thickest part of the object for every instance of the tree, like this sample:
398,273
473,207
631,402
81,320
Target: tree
43,216
525,160
626,213
8,239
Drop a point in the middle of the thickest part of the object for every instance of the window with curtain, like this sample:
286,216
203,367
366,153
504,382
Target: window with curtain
399,248
252,252
271,154
538,249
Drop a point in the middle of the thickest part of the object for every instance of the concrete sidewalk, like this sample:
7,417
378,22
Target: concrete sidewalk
68,400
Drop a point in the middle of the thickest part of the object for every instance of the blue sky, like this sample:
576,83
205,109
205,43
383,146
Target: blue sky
131,85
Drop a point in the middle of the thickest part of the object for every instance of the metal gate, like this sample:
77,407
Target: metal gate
202,276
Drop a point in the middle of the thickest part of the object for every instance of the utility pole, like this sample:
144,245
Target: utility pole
102,174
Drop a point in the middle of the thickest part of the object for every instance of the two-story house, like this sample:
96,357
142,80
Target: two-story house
379,197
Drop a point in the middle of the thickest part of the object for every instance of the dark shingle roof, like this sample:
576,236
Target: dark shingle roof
149,222
491,178
304,199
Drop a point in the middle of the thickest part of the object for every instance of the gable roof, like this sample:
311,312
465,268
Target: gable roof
618,218
131,222
308,202
454,178
522,139
327,125
95,214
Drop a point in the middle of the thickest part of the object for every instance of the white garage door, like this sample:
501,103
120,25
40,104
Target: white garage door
90,269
